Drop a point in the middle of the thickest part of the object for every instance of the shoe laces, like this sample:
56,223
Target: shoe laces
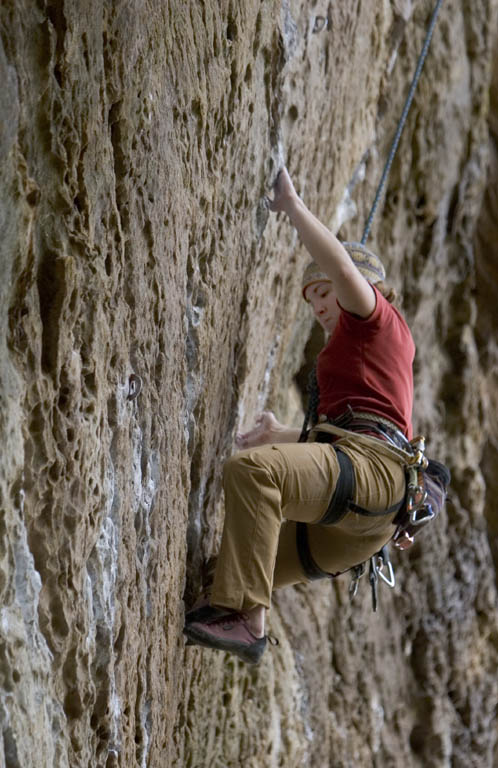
234,618
230,619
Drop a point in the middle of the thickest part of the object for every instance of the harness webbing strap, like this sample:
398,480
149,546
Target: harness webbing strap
403,457
310,568
342,499
381,513
340,504
344,491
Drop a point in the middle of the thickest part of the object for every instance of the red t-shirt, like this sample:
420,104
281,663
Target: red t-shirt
367,364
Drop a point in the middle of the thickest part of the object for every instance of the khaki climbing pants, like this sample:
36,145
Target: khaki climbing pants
270,488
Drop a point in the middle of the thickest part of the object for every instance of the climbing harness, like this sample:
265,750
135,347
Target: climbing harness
426,485
402,120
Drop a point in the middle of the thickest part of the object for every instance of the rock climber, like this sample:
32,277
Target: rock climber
276,486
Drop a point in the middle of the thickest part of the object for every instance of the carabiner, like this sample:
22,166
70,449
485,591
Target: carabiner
382,558
427,508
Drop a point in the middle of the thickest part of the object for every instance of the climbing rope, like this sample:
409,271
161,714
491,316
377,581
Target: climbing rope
313,392
402,121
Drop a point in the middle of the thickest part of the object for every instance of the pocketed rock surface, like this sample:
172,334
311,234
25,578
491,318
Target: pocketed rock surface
137,143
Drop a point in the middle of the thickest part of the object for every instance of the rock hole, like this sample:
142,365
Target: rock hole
417,739
293,113
231,32
319,23
73,301
63,399
36,423
108,265
73,706
257,35
55,14
90,382
118,647
452,210
33,197
421,203
49,281
54,472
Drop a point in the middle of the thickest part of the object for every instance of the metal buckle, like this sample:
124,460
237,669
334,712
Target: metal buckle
429,514
402,539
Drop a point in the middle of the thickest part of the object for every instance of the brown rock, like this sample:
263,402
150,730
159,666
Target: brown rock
137,143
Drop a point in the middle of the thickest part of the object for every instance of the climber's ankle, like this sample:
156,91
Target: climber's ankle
256,620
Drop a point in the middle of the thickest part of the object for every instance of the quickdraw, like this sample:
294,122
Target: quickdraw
376,572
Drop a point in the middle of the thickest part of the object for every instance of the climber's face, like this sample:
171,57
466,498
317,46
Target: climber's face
324,302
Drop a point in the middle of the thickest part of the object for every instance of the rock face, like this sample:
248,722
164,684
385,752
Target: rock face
137,142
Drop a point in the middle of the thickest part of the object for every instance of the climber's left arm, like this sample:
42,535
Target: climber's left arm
267,430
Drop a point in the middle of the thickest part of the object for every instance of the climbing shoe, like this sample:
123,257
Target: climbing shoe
203,611
227,633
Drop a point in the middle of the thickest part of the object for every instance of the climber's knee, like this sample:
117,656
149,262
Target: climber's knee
232,468
246,468
243,462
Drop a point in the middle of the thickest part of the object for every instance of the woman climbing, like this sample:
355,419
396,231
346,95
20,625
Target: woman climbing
281,495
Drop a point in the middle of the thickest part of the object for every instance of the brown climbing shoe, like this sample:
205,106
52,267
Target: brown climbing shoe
228,633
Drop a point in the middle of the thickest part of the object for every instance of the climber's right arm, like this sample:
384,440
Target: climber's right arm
353,292
267,430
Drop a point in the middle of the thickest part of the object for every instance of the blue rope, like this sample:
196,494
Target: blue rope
402,121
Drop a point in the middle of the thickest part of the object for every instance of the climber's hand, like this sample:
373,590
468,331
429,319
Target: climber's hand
283,192
265,431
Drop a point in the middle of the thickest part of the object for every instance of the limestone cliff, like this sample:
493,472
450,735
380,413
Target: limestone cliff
137,143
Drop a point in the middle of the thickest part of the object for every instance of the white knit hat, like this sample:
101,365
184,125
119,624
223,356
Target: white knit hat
367,263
